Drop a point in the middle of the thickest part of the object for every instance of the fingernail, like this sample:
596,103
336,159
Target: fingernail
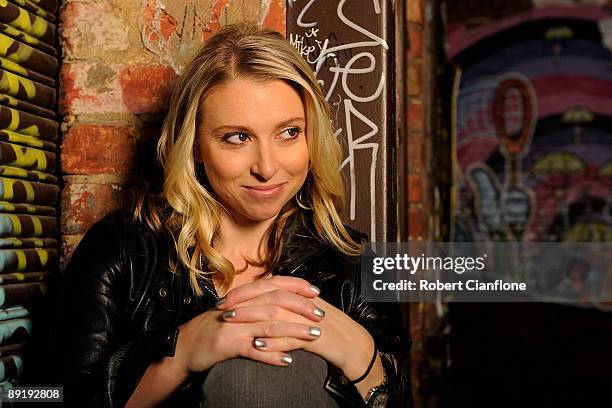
314,331
260,344
220,302
287,359
319,312
229,314
315,289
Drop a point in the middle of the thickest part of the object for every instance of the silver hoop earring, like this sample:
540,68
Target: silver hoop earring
299,200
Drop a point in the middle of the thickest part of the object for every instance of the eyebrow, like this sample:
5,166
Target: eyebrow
247,129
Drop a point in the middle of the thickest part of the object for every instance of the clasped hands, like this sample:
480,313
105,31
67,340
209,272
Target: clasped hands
264,320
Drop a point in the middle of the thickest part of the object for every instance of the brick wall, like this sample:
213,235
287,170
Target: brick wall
418,114
120,61
420,88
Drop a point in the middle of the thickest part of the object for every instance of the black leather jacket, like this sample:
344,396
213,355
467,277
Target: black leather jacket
121,304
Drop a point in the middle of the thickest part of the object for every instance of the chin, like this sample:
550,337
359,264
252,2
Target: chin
262,214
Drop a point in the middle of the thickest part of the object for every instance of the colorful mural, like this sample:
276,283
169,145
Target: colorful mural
29,184
533,126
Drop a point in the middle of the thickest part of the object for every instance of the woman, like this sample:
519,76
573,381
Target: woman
242,258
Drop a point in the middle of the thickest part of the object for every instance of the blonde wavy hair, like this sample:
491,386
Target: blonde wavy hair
191,210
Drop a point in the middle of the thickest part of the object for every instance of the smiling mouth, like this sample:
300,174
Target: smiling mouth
265,191
268,187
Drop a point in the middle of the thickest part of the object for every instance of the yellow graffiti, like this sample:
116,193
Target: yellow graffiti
39,11
10,171
23,21
29,188
19,276
22,53
12,66
16,224
11,83
41,176
30,130
37,226
40,27
9,192
7,185
21,35
10,100
38,242
21,260
7,206
5,43
23,139
43,255
29,158
14,125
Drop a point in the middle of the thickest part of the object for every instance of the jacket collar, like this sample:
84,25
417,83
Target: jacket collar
301,244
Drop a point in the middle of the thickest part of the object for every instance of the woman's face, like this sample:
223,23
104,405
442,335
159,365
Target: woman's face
252,143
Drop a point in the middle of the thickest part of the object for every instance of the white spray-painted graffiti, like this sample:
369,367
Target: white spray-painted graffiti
323,56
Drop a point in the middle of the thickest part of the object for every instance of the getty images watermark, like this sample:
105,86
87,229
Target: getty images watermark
488,272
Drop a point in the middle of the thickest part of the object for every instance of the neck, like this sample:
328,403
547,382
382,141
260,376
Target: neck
239,238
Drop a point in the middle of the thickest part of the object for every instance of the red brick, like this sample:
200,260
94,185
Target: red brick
415,115
414,78
415,41
415,153
415,11
416,223
415,189
167,25
91,28
90,87
276,17
85,203
99,149
146,88
214,24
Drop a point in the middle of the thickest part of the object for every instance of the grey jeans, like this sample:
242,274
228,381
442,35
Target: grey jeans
250,384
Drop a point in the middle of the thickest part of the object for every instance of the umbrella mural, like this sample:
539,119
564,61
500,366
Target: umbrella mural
589,231
562,55
555,169
544,141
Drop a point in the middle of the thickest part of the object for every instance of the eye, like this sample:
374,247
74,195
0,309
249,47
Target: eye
291,133
236,138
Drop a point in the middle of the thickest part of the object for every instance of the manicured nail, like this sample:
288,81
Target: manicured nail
260,344
315,289
319,312
314,331
287,359
220,302
229,314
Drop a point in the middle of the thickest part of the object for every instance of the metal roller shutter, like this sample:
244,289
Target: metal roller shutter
29,185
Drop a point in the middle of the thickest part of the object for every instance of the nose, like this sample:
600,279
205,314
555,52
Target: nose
265,163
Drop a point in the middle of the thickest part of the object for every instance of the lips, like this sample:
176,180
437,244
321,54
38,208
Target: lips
266,187
265,191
